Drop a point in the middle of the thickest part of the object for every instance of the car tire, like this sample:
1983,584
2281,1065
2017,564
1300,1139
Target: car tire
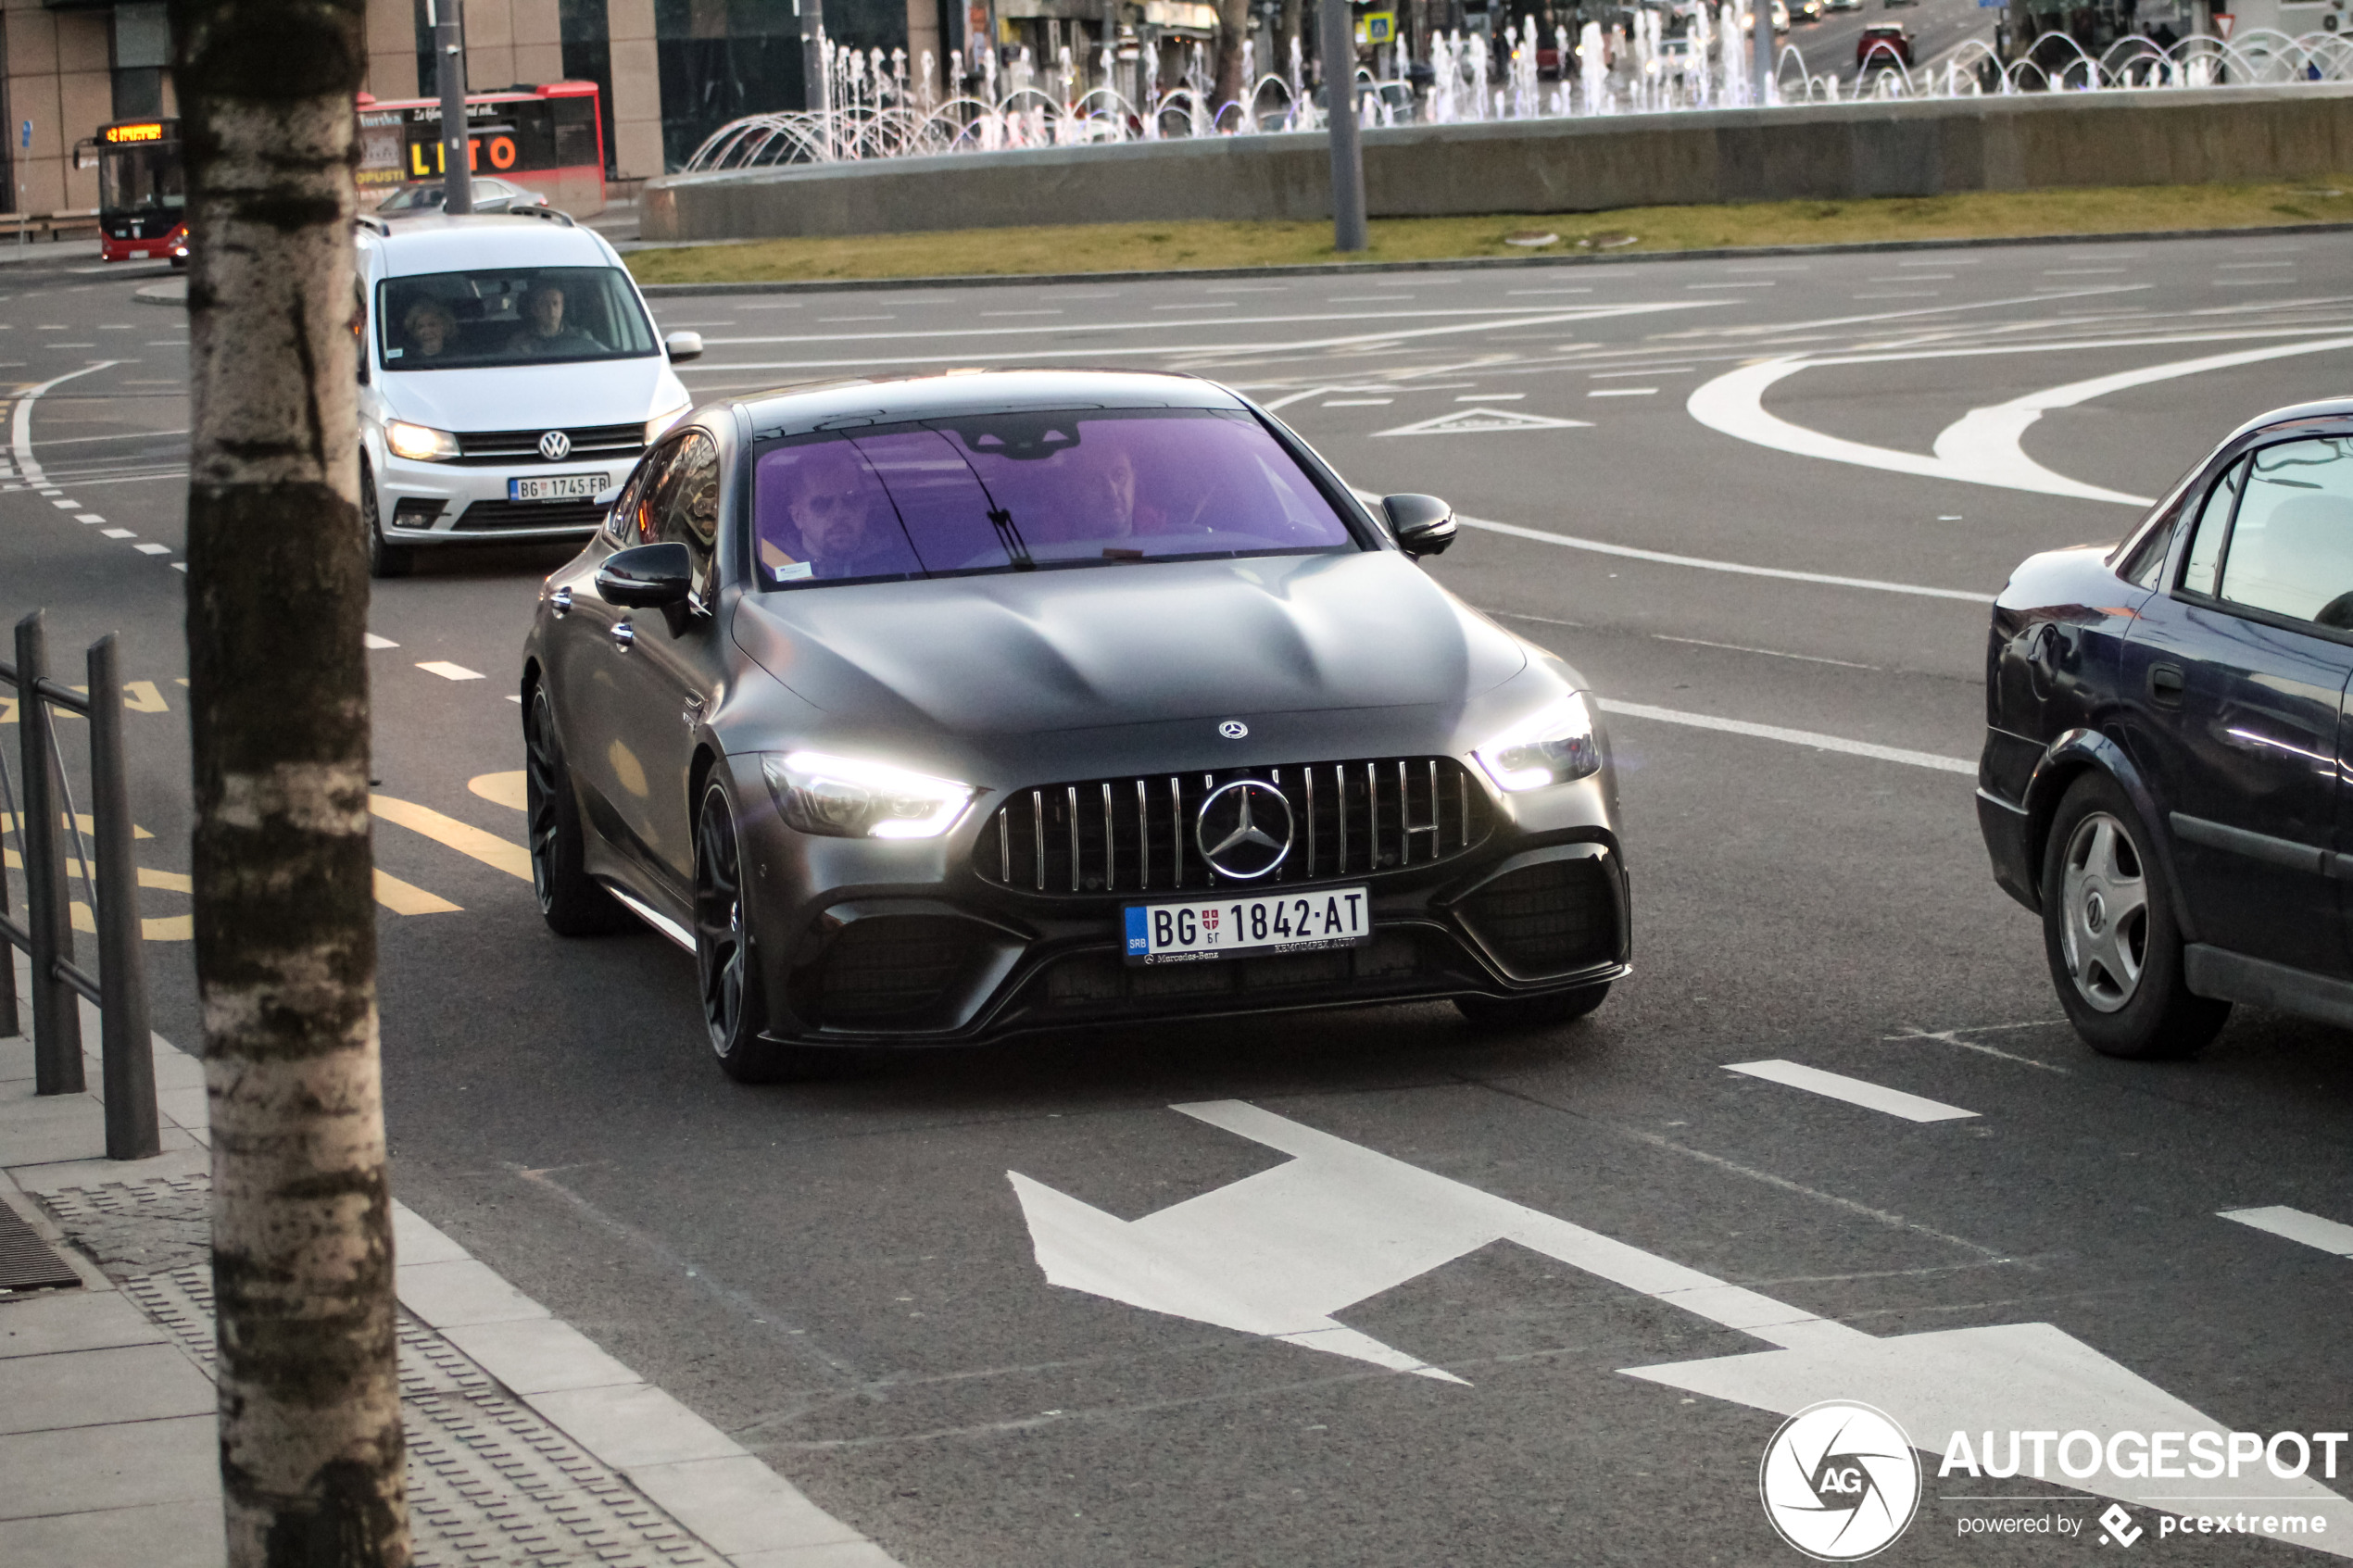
726,972
1512,1014
384,560
2109,932
571,901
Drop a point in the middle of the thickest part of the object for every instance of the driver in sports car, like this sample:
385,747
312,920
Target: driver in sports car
845,523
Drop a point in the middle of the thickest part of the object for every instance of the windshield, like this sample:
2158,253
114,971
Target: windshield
143,178
1014,492
510,316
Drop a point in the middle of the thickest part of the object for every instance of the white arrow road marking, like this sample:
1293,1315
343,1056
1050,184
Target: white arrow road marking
2297,1225
1982,446
1279,1253
1853,1091
1465,421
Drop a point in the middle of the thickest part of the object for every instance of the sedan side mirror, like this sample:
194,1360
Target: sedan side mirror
1424,524
683,345
647,577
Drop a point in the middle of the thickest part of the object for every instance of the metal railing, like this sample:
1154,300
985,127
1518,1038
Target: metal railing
45,817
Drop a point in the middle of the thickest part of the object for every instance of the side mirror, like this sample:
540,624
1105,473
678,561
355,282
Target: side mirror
1424,524
683,345
647,577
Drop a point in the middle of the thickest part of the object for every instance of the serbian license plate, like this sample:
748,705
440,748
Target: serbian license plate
559,488
1273,923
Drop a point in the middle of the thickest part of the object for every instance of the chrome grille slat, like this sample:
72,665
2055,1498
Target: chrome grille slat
1362,818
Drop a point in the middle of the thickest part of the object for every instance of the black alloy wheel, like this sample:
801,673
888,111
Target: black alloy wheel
384,560
2110,934
726,962
571,902
1511,1015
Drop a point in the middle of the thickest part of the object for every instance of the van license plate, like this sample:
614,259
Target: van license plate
559,488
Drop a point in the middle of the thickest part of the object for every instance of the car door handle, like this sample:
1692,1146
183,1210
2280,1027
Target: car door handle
624,636
2165,684
560,602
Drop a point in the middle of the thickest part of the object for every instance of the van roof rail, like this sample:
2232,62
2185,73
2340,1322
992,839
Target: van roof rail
372,223
549,213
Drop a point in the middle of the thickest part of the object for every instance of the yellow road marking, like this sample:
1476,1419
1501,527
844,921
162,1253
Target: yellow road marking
141,697
405,898
85,822
488,847
504,789
170,928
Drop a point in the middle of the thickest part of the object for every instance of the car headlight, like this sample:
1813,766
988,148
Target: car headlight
1552,746
843,798
419,443
660,422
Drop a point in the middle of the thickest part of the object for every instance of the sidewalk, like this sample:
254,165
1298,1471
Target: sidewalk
527,1444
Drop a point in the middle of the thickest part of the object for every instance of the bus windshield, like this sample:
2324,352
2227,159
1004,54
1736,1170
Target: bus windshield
146,178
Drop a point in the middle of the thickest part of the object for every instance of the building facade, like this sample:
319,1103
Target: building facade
669,72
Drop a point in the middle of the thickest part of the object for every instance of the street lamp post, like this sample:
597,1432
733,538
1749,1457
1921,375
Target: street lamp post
1337,47
450,65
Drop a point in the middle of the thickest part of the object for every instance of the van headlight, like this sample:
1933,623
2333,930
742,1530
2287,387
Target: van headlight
1553,744
421,443
846,798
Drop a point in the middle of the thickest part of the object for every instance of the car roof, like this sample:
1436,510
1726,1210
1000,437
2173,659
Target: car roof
884,400
436,242
2320,408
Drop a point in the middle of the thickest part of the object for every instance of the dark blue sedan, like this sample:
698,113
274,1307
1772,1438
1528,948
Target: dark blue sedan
2165,723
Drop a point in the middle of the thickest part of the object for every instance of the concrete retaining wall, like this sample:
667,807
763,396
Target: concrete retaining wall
1828,152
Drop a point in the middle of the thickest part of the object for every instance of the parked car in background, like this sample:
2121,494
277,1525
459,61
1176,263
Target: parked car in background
1842,5
2165,741
1809,11
490,195
1883,46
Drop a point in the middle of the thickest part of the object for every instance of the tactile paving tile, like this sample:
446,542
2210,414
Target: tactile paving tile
490,1484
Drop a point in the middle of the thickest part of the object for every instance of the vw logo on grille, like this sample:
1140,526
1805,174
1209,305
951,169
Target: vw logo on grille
554,447
1244,829
1233,729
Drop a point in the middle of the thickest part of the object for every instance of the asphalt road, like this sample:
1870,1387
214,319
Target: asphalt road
1746,493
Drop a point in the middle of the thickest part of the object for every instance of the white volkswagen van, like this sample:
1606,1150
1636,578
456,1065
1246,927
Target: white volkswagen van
509,377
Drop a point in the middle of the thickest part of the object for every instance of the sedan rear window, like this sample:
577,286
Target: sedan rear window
510,316
1019,491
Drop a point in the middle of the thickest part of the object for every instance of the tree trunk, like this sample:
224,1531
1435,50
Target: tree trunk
1233,31
310,1442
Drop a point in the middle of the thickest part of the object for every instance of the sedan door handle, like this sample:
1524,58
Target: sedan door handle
2165,684
624,636
560,602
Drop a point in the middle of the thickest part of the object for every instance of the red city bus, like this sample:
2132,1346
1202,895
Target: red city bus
143,190
550,138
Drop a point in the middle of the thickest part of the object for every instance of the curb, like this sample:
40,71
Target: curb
1477,263
173,293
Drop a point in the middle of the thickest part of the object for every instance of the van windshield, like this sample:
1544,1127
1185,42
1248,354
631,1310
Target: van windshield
510,316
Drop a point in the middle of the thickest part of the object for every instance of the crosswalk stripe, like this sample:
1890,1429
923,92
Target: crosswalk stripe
407,898
464,837
1854,1091
2295,1225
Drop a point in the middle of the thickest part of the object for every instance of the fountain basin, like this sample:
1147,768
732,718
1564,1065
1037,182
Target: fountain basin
1824,152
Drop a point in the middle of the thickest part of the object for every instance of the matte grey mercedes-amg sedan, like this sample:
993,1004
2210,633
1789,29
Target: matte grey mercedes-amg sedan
926,711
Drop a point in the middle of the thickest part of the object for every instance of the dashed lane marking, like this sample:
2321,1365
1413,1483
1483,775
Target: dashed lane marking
152,549
375,642
406,898
1792,738
2295,1225
1853,1091
500,789
497,853
448,671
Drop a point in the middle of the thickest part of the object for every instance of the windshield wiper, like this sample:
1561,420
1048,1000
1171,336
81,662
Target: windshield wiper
1009,538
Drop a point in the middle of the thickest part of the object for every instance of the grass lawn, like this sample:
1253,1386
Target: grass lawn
1121,247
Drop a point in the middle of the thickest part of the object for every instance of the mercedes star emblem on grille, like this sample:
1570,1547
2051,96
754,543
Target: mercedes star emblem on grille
1244,829
1233,729
554,447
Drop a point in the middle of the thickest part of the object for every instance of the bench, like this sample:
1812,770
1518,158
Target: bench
57,225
